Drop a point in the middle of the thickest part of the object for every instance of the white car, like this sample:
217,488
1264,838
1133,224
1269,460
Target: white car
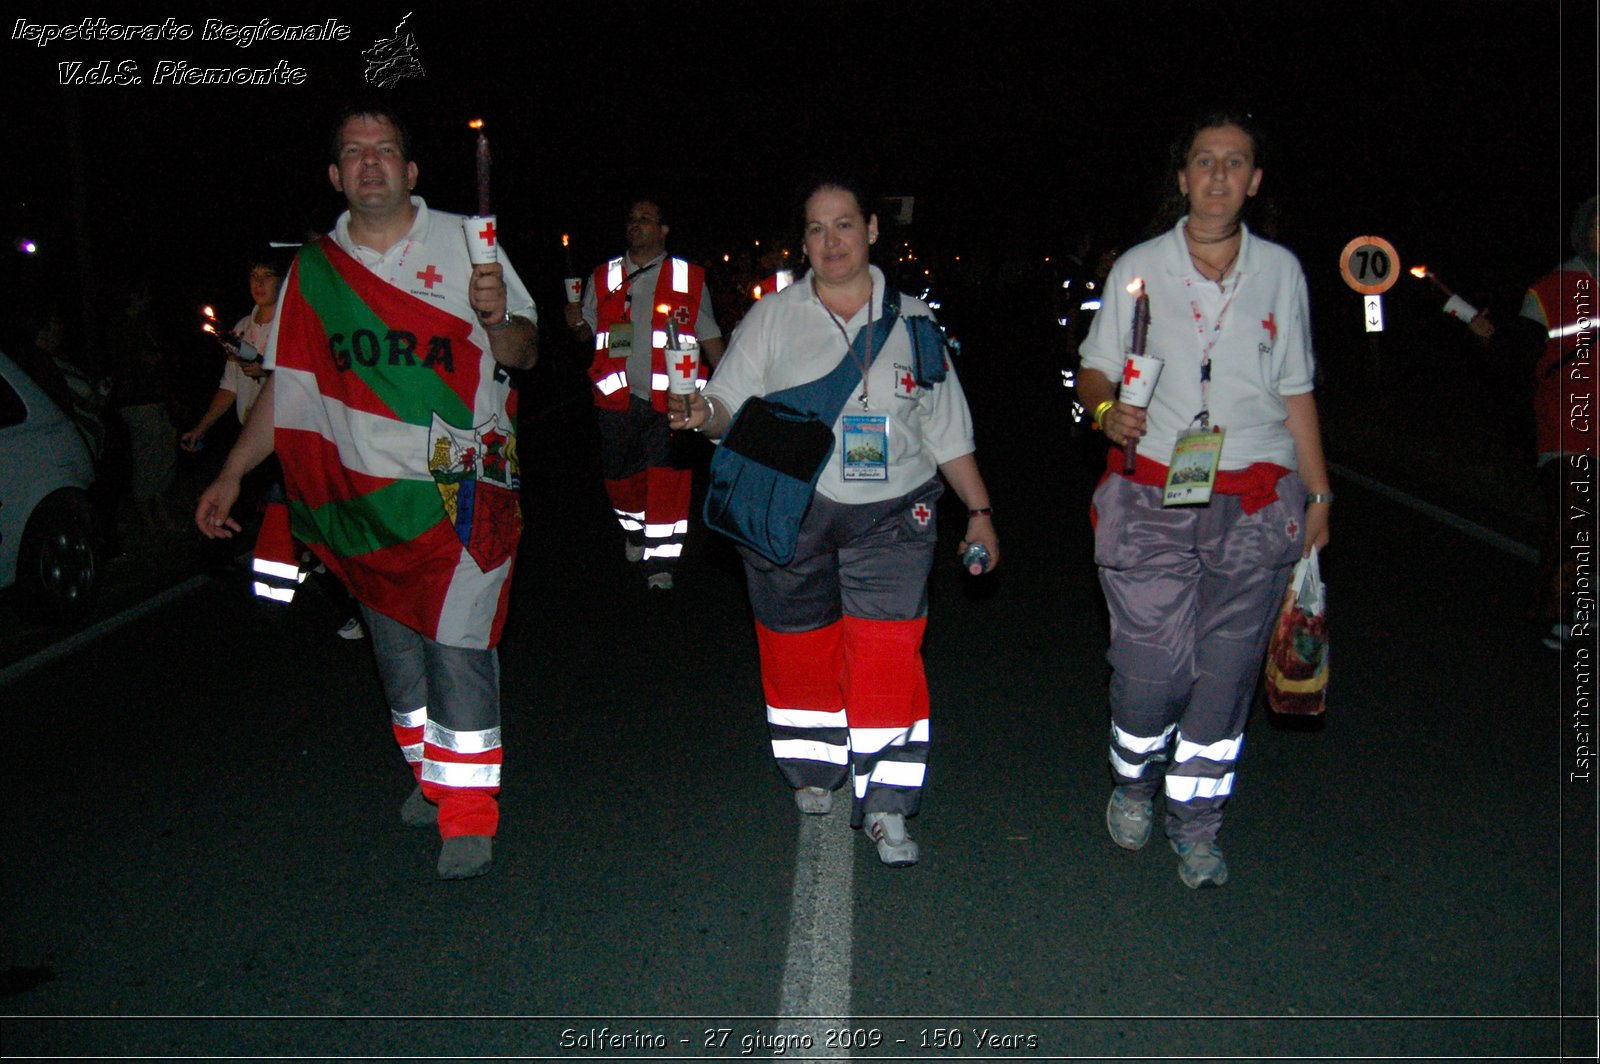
47,541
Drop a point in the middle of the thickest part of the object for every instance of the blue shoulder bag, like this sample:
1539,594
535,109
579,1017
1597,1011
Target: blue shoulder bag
765,471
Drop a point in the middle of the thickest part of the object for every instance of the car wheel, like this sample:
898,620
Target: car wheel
57,568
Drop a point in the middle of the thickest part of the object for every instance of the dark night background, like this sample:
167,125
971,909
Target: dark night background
1464,132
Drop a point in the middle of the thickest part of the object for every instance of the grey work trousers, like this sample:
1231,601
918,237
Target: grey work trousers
1192,592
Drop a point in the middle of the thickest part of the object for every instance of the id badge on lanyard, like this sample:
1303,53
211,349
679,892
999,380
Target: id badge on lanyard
1192,473
620,339
866,447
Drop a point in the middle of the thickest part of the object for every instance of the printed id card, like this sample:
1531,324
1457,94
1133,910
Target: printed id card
866,447
1192,473
620,340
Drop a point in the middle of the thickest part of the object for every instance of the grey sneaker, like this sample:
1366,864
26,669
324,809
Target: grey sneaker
814,801
659,581
633,551
1128,819
895,848
465,856
1200,864
351,629
417,812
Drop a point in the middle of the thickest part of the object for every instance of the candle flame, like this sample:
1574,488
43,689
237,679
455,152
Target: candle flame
565,239
476,123
664,308
207,328
1419,271
207,311
755,292
1136,286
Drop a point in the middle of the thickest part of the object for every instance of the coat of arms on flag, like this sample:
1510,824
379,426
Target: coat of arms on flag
476,473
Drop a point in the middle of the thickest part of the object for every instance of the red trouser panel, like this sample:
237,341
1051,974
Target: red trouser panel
802,670
464,810
274,543
410,739
667,495
628,493
885,685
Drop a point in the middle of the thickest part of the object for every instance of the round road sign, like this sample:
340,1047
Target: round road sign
1369,264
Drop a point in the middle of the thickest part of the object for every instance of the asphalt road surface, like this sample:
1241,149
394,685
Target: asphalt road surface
203,856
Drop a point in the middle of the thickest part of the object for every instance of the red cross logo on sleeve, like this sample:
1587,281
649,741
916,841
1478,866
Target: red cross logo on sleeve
1270,323
487,232
921,513
429,277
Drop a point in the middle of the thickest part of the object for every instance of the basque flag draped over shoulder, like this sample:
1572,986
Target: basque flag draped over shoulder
397,437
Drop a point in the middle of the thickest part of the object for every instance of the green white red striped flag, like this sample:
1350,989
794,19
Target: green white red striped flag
397,436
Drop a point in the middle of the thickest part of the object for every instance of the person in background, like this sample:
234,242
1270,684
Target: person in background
243,377
1555,333
144,397
627,305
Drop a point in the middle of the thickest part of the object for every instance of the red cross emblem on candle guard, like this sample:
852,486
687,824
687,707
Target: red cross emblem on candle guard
429,277
686,365
1129,374
921,513
487,232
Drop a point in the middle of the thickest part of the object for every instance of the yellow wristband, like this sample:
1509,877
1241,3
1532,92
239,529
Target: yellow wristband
1100,411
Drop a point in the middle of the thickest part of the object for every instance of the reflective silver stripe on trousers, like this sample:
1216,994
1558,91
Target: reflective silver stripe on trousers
456,774
461,742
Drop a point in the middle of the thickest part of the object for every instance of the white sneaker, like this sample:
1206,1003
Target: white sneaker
634,552
814,801
352,629
660,581
895,848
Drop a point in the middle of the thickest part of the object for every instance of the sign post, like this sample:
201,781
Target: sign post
1370,265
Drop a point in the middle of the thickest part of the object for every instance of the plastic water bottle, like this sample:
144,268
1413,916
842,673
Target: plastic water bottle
976,559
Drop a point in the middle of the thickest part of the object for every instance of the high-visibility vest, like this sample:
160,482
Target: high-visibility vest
775,283
276,561
1566,368
679,285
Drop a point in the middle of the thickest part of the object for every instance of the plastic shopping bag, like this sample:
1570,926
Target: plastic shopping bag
1297,657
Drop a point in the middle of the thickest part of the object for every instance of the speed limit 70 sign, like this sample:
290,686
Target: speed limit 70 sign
1369,264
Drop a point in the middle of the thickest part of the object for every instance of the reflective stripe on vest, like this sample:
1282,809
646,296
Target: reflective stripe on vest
1576,327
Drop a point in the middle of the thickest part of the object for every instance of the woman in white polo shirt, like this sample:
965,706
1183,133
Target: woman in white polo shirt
1193,589
840,626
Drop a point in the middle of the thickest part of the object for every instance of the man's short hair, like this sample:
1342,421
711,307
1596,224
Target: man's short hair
373,110
661,213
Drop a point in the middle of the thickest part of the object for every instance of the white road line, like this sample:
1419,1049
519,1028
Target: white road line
815,994
18,669
1461,524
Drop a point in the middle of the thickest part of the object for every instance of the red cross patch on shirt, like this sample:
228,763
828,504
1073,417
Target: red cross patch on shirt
921,513
1270,323
905,383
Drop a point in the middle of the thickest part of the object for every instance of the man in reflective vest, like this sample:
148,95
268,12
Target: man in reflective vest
628,305
1559,315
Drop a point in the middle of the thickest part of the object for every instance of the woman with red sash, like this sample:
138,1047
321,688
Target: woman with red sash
1193,589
